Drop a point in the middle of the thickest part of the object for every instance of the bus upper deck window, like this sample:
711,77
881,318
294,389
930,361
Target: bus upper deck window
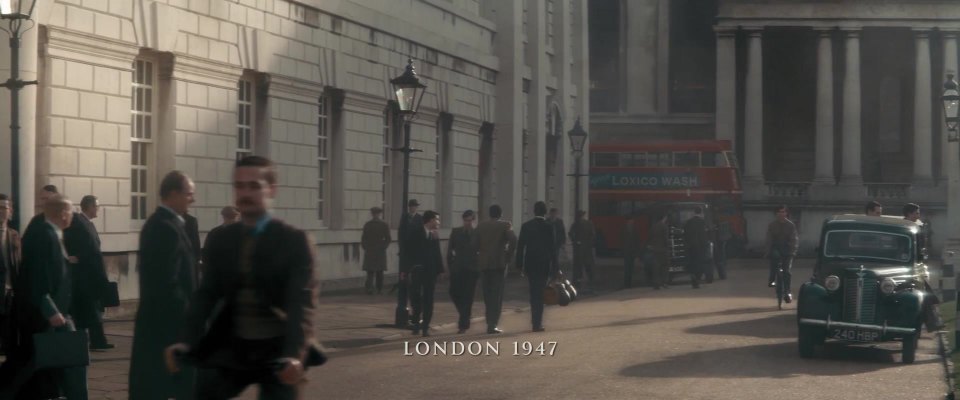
686,159
605,159
711,159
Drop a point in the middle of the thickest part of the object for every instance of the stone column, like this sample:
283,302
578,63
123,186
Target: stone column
922,115
726,110
851,111
951,155
753,135
824,150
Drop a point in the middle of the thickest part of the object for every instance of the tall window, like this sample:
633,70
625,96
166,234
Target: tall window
244,118
323,154
388,118
141,136
550,23
606,68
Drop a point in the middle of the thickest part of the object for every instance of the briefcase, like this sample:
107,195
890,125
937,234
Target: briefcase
111,295
54,350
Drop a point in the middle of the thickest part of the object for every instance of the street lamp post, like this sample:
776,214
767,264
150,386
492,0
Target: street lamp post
409,91
16,12
578,137
951,118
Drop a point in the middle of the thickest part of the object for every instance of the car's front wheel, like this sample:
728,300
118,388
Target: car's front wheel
909,353
806,339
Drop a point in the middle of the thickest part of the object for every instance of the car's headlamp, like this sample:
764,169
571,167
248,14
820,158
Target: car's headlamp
832,283
887,286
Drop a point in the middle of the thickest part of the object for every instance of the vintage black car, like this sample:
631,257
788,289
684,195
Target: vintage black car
868,284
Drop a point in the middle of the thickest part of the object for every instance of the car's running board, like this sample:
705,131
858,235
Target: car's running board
884,329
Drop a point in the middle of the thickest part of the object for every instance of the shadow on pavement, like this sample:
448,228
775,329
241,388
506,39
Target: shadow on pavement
781,325
679,317
770,360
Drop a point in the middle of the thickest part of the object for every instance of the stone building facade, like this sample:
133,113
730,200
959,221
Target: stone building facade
829,104
131,89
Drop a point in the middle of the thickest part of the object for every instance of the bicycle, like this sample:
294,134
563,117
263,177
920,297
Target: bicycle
779,285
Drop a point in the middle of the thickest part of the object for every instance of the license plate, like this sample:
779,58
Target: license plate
856,335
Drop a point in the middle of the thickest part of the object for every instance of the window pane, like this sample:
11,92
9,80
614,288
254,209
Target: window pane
686,159
149,73
147,126
134,177
134,213
143,207
148,100
709,159
143,181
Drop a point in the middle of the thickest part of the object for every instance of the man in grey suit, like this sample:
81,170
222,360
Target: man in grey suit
496,244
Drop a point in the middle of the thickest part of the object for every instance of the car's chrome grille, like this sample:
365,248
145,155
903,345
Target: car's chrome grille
860,302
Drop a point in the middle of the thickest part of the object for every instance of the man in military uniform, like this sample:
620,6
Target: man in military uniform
375,240
496,244
462,260
582,236
695,240
559,229
629,245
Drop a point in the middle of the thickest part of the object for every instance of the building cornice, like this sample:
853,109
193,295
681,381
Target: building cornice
841,23
295,89
63,43
196,69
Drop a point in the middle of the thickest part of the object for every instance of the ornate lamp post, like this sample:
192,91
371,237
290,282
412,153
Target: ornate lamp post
951,108
15,12
409,91
578,137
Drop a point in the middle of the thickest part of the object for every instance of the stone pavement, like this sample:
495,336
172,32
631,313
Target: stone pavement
345,319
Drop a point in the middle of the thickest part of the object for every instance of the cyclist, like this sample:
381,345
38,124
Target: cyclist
782,244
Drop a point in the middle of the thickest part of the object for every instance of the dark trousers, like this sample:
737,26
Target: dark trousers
463,284
7,324
776,260
21,379
371,275
402,315
248,366
694,266
628,264
493,281
87,313
538,282
422,285
579,268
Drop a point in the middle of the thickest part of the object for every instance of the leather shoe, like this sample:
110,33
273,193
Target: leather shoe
426,332
494,330
416,328
104,346
788,298
538,329
462,330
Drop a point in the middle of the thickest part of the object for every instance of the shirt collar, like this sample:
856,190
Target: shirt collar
180,217
55,228
261,224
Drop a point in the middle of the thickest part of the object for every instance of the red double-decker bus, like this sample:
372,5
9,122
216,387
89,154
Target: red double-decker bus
673,177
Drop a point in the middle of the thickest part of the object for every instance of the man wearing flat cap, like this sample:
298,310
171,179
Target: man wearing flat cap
410,221
375,240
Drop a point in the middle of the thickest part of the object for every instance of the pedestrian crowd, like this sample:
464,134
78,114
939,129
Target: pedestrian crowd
212,319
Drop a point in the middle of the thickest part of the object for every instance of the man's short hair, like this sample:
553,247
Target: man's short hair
56,204
495,211
50,188
270,175
88,201
174,181
910,208
429,215
468,214
871,206
781,207
229,210
376,210
539,209
4,196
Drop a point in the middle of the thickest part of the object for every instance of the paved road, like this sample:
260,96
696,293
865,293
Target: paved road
724,341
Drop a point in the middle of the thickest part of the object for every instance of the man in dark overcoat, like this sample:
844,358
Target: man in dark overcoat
537,258
89,272
258,298
409,219
427,267
695,242
192,226
167,265
629,248
560,230
230,215
44,294
375,240
582,236
462,260
9,267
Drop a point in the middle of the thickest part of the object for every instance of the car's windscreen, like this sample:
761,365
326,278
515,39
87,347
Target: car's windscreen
868,245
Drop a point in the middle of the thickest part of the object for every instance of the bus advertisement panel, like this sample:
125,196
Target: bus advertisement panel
648,179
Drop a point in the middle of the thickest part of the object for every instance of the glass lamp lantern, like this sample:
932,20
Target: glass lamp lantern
951,108
578,137
409,90
16,9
